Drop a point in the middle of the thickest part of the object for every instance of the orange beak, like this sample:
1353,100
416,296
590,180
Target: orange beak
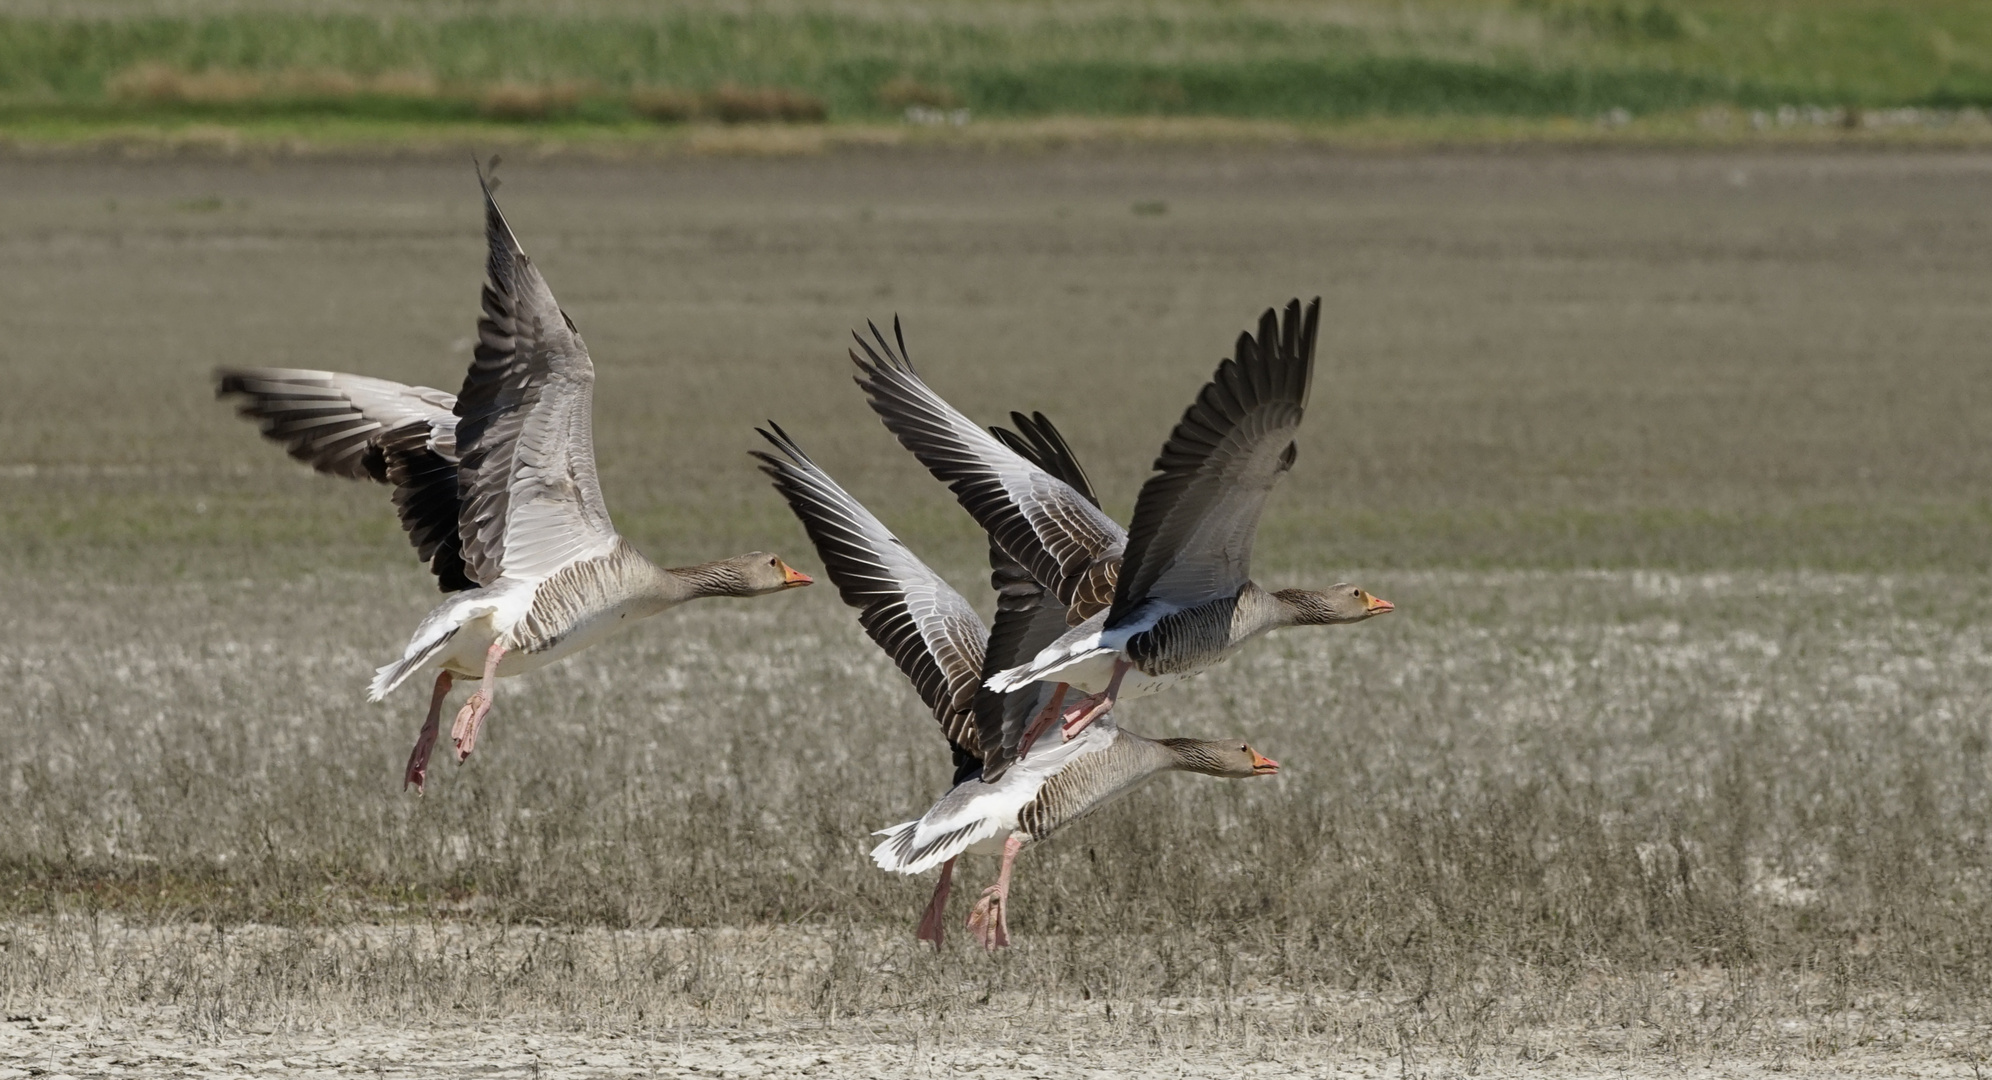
1263,765
793,578
1377,605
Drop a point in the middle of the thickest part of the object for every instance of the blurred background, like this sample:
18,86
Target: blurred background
619,69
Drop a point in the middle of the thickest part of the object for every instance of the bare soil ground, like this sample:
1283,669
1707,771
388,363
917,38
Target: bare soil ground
1675,754
332,1031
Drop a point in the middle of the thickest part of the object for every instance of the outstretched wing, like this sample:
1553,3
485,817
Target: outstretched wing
1028,615
1191,540
1090,591
364,428
931,633
1060,535
532,503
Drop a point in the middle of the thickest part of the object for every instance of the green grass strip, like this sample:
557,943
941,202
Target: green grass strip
1525,60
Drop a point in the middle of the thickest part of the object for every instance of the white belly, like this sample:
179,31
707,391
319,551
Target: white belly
989,845
589,631
1094,673
465,656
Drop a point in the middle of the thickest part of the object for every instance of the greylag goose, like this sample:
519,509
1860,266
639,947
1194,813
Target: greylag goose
496,488
1233,444
939,642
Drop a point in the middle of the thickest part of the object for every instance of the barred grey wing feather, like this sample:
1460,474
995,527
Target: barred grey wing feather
365,428
532,500
932,634
1057,533
1091,590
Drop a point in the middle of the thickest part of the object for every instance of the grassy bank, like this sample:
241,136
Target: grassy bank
609,66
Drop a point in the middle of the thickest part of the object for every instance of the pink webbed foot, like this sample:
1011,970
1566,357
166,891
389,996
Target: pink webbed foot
1096,706
418,760
469,721
1081,716
932,927
989,920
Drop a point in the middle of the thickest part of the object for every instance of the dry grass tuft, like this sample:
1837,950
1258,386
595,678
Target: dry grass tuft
735,104
532,101
511,100
160,84
905,91
405,84
665,104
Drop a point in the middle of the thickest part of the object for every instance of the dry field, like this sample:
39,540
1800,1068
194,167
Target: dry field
1676,752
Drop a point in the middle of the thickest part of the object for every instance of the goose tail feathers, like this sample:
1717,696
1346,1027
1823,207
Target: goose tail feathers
906,851
387,678
1044,667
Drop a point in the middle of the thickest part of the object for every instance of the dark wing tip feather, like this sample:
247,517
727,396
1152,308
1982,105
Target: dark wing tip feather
503,244
1039,442
228,381
781,441
880,357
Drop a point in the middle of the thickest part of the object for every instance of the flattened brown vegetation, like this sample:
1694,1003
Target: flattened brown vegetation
794,1001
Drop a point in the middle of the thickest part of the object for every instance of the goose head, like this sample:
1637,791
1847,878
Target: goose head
756,573
1343,603
1220,757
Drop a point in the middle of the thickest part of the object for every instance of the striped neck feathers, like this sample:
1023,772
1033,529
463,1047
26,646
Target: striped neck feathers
1332,606
1229,758
756,573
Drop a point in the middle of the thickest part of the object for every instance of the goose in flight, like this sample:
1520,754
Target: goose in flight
1173,597
496,488
940,644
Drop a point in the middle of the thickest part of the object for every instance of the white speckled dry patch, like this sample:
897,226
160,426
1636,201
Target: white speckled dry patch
453,999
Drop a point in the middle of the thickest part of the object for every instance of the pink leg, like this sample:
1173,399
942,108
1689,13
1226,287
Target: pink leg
1043,720
1096,706
418,762
989,920
470,719
930,923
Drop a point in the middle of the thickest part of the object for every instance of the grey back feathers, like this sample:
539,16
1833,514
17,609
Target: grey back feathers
1188,640
580,589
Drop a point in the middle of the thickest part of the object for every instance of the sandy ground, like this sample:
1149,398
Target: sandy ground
329,1030
54,1047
